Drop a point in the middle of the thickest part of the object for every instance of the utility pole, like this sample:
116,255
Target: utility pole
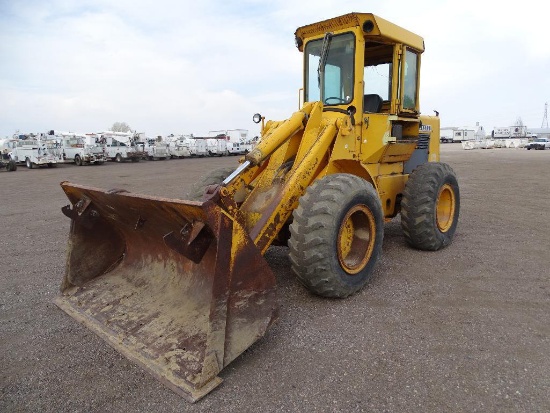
545,118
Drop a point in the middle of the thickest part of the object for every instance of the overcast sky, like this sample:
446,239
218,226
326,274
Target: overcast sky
193,66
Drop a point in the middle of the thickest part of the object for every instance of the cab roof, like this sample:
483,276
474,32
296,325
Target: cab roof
374,28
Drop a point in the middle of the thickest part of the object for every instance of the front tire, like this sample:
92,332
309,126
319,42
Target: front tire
336,235
430,206
29,164
78,160
118,157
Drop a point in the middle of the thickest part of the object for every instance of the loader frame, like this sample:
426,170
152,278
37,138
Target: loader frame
182,288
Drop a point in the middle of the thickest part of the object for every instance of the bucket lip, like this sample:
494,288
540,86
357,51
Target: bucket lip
179,386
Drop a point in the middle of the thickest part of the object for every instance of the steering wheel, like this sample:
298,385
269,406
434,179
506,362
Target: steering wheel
340,100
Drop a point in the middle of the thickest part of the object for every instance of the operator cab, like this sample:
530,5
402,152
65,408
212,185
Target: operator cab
367,63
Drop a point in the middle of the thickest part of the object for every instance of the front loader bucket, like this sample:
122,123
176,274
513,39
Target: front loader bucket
176,286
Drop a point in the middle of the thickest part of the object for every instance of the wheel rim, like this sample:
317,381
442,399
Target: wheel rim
445,208
356,238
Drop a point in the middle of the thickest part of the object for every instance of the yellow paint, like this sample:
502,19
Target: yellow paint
317,141
152,302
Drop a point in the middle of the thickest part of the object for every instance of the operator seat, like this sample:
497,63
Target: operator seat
372,103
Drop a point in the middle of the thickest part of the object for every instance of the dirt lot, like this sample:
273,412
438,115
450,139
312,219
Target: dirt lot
464,329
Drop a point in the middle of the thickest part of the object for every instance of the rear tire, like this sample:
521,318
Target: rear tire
214,177
78,160
430,206
118,157
336,235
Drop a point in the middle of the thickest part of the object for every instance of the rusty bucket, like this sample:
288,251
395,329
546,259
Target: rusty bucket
176,286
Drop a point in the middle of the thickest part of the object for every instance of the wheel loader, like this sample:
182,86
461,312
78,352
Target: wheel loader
181,287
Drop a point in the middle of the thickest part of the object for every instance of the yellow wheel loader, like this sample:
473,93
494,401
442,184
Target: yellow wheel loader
181,286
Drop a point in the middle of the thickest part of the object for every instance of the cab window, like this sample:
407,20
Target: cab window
338,70
410,80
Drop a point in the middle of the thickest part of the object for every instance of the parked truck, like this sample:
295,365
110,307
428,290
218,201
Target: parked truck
538,144
81,150
5,161
154,148
197,147
32,153
121,146
237,140
178,146
217,145
504,132
446,135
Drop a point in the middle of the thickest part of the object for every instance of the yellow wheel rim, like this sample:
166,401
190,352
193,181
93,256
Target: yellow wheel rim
356,238
445,208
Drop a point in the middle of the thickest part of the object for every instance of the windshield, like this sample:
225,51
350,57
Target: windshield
337,74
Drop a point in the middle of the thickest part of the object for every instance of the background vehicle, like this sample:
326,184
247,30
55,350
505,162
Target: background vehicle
236,140
197,146
539,143
217,146
178,147
31,152
155,149
510,132
75,149
7,163
182,288
446,135
121,146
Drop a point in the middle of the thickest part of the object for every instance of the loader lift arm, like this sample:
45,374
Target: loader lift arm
276,192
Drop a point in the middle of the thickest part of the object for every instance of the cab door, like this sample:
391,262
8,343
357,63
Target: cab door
409,69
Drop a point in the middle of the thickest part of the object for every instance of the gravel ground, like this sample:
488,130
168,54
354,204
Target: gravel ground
465,329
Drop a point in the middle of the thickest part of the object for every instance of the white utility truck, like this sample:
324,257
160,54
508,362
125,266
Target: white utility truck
31,152
197,147
178,146
122,146
155,149
237,140
217,146
80,150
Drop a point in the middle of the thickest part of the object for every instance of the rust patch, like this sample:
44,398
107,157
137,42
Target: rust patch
182,306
